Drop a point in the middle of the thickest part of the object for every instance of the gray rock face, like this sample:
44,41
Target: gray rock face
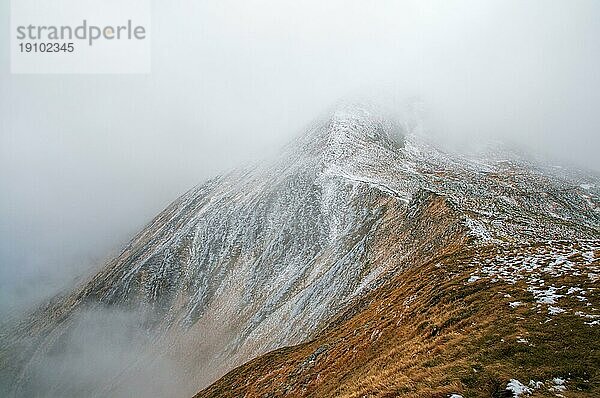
264,257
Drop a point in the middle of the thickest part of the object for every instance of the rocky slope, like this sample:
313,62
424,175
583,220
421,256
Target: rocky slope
268,256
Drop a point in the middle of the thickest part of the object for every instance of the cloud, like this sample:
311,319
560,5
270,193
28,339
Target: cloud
102,351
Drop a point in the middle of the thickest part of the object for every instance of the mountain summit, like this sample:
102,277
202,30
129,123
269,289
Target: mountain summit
297,249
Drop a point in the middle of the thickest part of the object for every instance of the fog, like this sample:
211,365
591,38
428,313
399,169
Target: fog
106,351
87,160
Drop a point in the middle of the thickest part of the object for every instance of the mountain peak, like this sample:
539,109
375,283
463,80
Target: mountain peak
358,122
348,131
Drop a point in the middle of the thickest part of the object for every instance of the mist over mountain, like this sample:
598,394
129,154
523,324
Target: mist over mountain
99,155
269,255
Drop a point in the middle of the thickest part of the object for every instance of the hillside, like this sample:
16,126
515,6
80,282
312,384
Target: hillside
484,322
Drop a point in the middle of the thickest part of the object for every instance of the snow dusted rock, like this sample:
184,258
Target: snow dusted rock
559,385
517,388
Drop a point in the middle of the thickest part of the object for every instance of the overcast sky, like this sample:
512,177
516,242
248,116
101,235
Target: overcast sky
86,160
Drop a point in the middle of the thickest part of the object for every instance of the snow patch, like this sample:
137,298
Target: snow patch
536,385
559,385
478,229
548,296
518,388
555,310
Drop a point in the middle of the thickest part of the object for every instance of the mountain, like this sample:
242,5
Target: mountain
382,264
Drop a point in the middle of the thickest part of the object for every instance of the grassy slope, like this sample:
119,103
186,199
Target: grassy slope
429,332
